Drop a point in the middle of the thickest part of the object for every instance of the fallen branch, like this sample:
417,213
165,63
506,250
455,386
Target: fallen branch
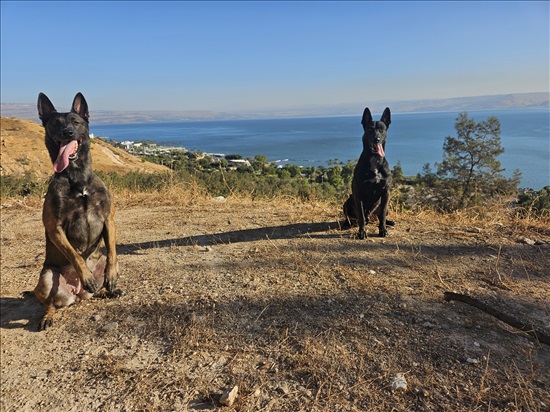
530,330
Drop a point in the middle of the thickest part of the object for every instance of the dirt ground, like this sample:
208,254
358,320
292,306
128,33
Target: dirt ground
277,299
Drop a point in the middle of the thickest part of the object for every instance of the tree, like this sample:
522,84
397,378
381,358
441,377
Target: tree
397,174
259,162
335,176
470,168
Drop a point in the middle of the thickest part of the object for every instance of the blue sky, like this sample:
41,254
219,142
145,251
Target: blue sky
246,56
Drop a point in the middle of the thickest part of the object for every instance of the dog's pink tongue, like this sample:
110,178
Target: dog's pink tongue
380,150
62,160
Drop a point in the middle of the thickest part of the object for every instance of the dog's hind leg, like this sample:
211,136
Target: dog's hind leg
54,291
47,320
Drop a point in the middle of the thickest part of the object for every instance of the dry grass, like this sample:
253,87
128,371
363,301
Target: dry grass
273,296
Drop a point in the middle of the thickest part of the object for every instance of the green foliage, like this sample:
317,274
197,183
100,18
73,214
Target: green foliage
259,163
137,181
470,172
397,174
535,203
27,185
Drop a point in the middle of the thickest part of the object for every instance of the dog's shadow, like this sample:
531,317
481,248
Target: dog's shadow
236,236
24,312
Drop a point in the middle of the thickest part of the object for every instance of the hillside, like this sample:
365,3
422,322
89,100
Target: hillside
275,298
23,151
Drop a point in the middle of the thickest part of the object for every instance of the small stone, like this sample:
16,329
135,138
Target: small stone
219,199
109,326
96,317
472,361
527,241
398,382
283,387
229,396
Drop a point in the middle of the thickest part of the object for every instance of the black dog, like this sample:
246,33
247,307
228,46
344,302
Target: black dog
372,176
351,215
77,215
349,212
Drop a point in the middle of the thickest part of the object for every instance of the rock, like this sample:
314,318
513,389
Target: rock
472,361
229,396
219,199
109,326
398,382
284,388
526,241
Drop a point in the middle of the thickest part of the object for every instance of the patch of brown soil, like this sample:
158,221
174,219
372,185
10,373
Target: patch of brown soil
23,151
275,298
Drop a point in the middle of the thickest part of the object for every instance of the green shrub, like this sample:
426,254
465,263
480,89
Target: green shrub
25,186
535,203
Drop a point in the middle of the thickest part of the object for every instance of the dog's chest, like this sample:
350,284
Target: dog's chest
83,219
376,176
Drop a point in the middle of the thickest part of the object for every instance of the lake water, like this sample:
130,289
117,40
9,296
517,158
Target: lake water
414,139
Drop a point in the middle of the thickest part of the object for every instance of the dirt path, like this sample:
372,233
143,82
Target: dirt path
276,299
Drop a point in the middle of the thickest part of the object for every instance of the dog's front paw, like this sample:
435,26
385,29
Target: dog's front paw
109,294
110,283
362,234
383,233
90,284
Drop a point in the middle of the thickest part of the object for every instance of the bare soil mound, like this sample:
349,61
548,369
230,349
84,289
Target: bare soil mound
276,299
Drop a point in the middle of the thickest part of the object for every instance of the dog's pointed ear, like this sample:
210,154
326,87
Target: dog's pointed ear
80,106
45,107
367,118
386,117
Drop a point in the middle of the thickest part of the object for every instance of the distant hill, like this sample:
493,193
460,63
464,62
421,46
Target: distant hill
492,102
495,102
23,151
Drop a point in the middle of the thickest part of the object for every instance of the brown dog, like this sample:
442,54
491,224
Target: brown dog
77,215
